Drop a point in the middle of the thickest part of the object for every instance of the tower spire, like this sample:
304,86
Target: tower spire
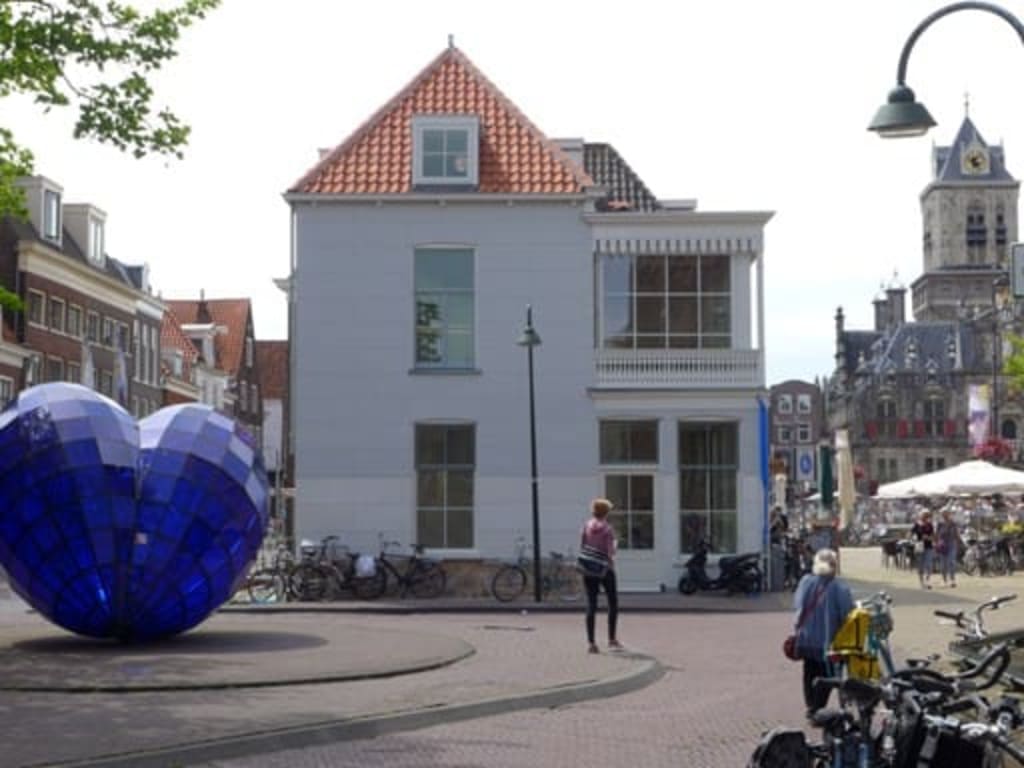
967,103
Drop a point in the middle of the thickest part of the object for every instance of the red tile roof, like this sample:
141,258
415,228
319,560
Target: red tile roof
272,361
172,337
514,158
233,314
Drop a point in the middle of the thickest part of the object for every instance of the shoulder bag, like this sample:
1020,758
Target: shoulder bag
592,562
789,649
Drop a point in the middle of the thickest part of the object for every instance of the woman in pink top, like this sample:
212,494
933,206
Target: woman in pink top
597,533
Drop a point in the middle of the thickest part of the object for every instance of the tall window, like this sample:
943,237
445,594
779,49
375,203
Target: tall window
444,307
785,403
92,327
445,467
976,234
6,390
631,446
665,302
803,403
51,215
54,369
803,433
934,417
74,321
886,411
708,464
36,308
56,311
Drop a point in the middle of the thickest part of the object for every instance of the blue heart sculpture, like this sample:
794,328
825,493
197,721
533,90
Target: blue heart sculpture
110,528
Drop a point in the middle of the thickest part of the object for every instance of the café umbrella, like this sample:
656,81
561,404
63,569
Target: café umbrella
975,477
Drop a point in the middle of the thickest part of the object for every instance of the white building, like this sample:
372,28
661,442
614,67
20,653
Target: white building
418,244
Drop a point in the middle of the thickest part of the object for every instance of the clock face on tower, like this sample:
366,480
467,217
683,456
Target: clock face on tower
975,161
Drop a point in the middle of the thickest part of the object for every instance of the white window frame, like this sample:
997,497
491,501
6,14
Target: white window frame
803,403
41,319
51,218
785,403
803,433
89,316
468,123
96,241
785,434
628,468
51,305
445,329
73,308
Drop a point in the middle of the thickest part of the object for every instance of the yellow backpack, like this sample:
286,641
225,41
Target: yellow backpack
850,645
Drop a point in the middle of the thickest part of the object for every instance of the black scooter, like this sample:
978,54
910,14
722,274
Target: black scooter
738,573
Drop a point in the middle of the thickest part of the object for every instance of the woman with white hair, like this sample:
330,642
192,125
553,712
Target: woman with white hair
822,602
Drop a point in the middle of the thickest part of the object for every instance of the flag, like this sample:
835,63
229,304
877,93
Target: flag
88,366
977,414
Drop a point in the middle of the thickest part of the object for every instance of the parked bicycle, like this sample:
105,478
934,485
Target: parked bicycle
412,574
558,576
330,566
270,583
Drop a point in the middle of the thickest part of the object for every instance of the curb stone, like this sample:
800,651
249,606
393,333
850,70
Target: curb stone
371,726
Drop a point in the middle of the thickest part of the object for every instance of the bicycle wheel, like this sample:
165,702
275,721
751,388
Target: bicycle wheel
969,564
309,582
265,586
567,584
370,587
428,581
508,583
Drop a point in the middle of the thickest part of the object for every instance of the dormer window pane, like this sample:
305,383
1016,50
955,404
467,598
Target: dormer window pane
445,149
96,241
51,215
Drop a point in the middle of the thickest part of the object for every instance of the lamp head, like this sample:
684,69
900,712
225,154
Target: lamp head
901,116
529,337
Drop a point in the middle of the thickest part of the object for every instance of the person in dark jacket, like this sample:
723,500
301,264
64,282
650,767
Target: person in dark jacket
821,603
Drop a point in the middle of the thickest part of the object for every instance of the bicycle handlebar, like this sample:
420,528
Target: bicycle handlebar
995,602
957,617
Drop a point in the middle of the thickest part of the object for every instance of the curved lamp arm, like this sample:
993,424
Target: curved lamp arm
1013,21
902,114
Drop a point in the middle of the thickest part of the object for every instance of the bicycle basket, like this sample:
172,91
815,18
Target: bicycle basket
366,566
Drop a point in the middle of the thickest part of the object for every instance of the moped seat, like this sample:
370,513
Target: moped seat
735,561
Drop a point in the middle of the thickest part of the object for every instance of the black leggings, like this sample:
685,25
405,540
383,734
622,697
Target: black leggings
815,699
593,585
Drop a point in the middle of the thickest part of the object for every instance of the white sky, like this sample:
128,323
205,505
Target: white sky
742,104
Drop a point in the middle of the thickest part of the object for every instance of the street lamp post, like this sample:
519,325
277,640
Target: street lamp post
530,339
902,115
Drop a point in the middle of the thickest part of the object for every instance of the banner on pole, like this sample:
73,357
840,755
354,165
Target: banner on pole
805,464
978,414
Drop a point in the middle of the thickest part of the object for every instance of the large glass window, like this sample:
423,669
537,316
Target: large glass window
444,307
934,417
665,302
74,321
36,307
630,443
55,308
708,464
445,467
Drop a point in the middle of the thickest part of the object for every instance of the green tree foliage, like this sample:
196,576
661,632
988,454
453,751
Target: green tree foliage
1013,365
96,56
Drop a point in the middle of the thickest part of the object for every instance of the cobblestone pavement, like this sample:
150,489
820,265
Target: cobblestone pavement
727,683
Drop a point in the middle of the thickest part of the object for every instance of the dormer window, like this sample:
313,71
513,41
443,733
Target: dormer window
51,215
96,241
445,150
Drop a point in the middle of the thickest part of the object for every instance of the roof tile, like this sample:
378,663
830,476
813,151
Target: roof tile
514,156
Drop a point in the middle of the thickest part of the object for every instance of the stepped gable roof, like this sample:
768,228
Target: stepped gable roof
232,314
946,161
626,190
272,360
514,156
171,338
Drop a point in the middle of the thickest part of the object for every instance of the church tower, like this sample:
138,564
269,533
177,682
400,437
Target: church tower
969,220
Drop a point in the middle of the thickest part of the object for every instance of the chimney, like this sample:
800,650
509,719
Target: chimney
573,148
881,312
896,299
203,311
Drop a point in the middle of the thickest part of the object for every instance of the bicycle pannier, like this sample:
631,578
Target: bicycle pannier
366,566
592,562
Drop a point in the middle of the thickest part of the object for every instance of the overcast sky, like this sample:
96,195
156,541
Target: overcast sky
742,104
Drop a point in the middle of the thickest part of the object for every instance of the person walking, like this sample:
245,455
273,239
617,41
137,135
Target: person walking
822,602
598,535
923,534
947,547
